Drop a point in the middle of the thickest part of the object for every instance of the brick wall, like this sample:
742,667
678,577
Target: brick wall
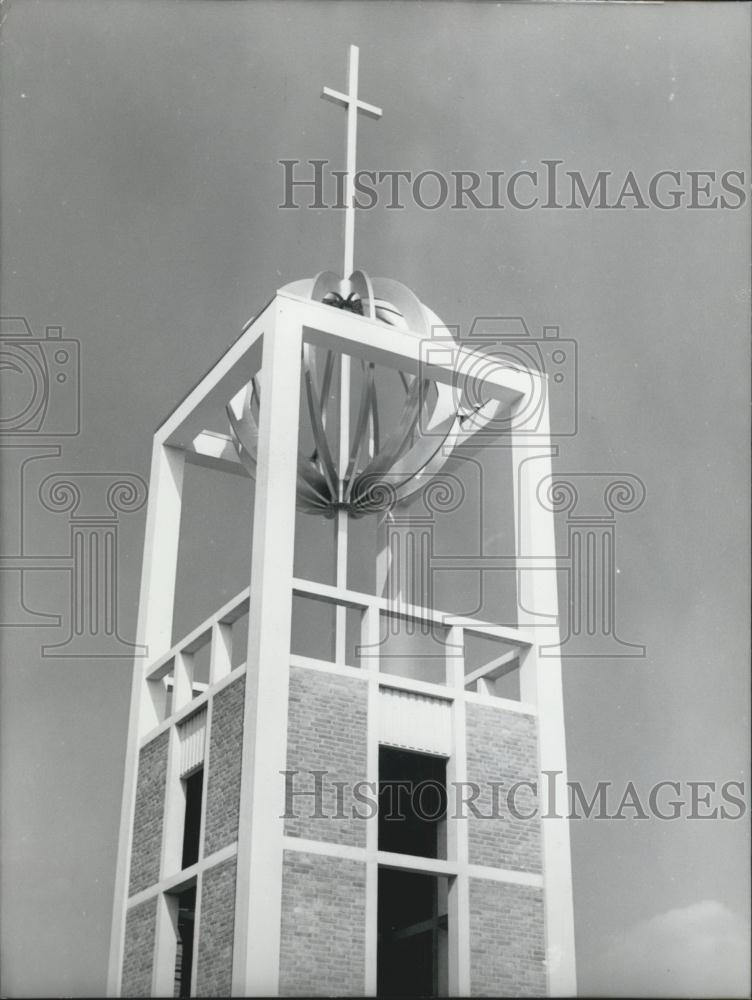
507,940
138,957
214,971
327,729
323,926
502,747
225,753
149,814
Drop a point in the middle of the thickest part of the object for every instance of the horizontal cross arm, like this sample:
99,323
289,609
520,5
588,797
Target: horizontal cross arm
345,100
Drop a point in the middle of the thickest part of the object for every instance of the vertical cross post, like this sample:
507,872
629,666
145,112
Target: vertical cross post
352,105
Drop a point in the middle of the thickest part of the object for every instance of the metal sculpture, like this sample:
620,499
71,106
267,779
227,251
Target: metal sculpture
379,472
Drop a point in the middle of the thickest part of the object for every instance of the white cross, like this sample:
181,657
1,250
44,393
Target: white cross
352,105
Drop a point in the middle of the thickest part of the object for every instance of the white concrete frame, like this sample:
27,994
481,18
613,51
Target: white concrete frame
276,335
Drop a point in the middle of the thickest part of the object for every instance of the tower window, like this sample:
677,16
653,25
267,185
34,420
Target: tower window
412,934
412,803
412,954
186,902
193,786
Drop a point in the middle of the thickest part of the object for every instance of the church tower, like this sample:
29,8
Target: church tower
347,807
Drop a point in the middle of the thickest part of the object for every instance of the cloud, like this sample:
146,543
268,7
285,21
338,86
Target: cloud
701,950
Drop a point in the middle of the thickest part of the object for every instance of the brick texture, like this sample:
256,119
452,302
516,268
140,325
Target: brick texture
507,942
323,926
149,814
214,971
502,747
327,728
138,957
225,754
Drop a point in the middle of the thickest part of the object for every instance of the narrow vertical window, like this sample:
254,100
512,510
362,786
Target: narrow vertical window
193,786
412,934
184,950
412,950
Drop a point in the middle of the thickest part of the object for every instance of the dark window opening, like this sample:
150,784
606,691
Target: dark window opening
412,803
412,956
184,950
194,785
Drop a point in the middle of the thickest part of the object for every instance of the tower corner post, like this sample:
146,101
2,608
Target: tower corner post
154,633
541,685
256,952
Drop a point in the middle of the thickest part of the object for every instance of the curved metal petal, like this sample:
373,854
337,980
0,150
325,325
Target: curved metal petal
399,439
319,434
312,483
406,301
244,435
325,382
458,433
361,283
408,474
412,485
373,444
360,429
427,456
244,431
325,281
311,357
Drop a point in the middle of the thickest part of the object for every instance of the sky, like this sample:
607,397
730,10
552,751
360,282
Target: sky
139,193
